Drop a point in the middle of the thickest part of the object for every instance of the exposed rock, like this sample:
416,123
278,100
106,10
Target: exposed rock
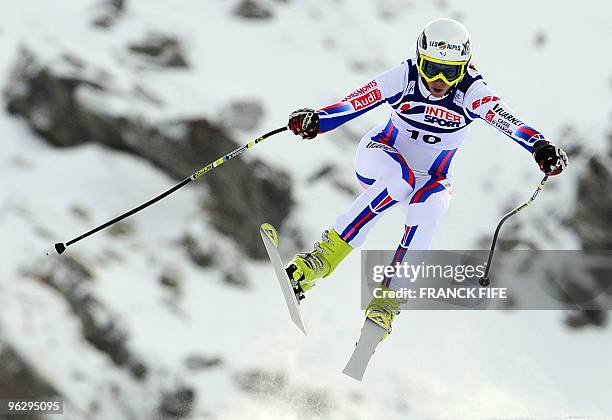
252,9
102,329
107,12
326,170
145,94
73,61
247,196
161,50
123,228
138,369
592,222
572,141
171,279
177,404
330,173
244,115
80,212
48,104
592,219
592,287
234,279
19,379
213,249
345,188
198,255
580,319
198,362
509,242
242,195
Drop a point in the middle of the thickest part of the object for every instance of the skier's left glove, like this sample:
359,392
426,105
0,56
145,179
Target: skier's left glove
304,122
551,159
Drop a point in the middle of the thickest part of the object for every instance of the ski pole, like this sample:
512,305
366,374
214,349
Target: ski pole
61,247
484,280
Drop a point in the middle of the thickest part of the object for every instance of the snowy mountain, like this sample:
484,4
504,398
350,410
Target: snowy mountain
174,313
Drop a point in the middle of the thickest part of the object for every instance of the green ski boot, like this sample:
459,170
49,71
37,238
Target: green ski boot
307,267
383,310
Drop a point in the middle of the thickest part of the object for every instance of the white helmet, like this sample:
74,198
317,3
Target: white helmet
445,42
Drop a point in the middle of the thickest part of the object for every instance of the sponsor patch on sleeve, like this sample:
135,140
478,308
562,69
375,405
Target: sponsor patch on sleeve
366,99
483,101
506,115
361,91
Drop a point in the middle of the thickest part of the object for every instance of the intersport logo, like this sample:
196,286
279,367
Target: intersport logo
442,117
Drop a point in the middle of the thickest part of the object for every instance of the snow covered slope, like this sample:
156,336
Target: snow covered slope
125,325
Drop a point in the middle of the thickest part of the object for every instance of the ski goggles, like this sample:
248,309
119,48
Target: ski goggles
448,71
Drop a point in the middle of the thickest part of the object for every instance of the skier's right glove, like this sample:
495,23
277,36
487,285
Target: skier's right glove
551,159
304,122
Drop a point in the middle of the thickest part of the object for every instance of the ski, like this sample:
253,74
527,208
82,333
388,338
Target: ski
269,236
371,335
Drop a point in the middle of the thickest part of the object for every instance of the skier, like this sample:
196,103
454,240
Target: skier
434,97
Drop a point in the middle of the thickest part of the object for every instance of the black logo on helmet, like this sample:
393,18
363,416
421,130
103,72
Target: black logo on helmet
423,41
466,48
443,45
